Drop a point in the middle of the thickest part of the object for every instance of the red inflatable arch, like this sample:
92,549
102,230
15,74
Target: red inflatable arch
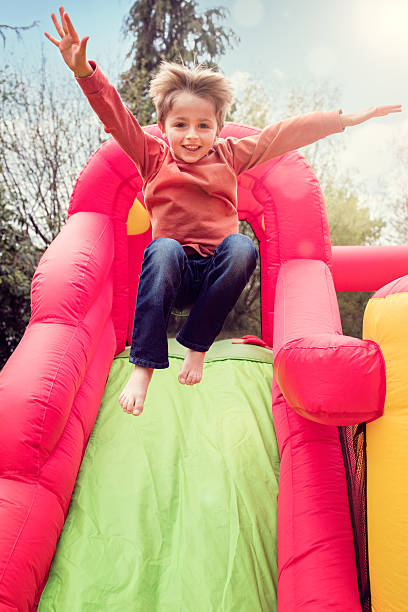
83,297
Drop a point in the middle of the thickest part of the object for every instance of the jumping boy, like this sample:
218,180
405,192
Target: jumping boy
197,257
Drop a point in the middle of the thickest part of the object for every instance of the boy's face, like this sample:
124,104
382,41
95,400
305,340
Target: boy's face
190,126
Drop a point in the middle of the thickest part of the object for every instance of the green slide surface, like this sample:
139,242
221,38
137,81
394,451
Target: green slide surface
175,510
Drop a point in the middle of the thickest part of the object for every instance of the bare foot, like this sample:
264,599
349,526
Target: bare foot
134,393
192,369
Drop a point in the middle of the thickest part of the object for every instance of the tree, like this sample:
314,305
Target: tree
45,139
350,223
172,30
399,222
398,203
18,260
47,133
16,29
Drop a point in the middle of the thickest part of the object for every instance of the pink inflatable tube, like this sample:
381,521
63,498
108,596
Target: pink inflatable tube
83,297
361,268
324,376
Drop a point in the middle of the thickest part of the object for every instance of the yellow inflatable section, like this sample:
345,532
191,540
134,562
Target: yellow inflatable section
386,322
138,219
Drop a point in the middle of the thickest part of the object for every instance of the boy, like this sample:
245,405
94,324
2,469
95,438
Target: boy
196,257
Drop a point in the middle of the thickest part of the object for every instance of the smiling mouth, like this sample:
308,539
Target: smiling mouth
191,148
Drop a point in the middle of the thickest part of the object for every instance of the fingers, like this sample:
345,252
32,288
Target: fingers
57,25
67,28
385,110
70,27
52,39
82,44
64,24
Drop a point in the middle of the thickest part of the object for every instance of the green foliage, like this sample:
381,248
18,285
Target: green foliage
171,30
18,261
349,222
352,306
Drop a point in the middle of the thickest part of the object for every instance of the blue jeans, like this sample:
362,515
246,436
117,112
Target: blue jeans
209,285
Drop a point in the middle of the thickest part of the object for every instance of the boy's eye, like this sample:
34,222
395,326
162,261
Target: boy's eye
180,124
204,125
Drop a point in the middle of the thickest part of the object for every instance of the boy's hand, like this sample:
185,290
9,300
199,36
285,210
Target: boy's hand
375,111
72,49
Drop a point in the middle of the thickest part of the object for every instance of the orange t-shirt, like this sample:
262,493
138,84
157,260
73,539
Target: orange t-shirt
196,203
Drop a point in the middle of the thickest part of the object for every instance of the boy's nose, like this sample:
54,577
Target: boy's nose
192,133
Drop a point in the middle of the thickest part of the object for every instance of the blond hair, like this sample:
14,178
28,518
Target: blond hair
173,78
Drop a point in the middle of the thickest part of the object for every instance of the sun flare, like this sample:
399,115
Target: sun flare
382,25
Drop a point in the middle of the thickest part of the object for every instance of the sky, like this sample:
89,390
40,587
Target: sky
359,47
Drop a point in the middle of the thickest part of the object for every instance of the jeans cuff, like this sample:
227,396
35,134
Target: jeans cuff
148,364
191,345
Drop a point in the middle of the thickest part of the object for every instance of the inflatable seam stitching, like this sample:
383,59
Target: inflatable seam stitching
20,531
86,271
289,442
46,403
336,346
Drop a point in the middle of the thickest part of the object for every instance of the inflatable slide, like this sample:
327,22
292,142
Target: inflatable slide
240,493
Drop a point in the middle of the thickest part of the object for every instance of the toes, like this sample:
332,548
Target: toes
137,407
128,405
192,378
195,378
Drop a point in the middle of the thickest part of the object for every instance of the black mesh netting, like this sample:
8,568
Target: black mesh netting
353,444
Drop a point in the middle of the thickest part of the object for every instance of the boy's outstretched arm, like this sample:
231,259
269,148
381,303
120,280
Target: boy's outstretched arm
143,148
295,132
72,49
349,119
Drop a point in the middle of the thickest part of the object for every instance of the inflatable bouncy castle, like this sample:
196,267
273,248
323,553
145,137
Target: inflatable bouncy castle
278,482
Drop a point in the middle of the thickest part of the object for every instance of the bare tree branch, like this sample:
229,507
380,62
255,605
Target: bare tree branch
47,133
16,29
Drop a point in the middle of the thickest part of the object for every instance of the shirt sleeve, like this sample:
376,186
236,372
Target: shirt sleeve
143,148
282,137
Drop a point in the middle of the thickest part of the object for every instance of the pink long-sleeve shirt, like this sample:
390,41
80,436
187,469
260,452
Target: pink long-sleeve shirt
196,203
